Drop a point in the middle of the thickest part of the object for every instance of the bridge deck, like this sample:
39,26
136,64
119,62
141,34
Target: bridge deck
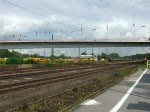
68,44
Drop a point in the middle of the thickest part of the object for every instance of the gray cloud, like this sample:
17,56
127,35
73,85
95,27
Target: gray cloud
70,15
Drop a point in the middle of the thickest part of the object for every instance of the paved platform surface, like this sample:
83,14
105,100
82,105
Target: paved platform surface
131,95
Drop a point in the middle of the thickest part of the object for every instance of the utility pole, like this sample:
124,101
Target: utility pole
52,37
106,52
92,54
149,34
81,33
44,53
92,50
49,33
79,52
134,29
107,27
61,34
36,34
52,51
20,38
107,32
85,55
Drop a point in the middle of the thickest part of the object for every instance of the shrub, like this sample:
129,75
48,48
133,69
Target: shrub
117,75
48,64
13,60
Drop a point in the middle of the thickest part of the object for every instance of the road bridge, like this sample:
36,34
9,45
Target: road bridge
68,44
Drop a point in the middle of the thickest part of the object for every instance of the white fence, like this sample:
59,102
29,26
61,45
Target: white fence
148,63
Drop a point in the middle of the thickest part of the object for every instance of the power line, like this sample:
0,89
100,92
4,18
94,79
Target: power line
37,13
116,13
33,13
105,14
99,7
22,8
107,4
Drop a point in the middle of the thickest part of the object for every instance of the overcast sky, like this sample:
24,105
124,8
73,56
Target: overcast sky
98,19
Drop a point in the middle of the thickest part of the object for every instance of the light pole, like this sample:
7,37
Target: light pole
81,34
61,34
79,52
134,30
149,34
145,27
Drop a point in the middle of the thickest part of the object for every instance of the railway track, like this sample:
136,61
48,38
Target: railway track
36,72
44,81
69,98
15,70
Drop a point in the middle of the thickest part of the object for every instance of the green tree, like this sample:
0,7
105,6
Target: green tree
15,54
104,55
13,60
92,53
52,57
83,53
99,57
4,53
114,55
62,56
36,55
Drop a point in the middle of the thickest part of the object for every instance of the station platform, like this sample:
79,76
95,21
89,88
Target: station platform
130,95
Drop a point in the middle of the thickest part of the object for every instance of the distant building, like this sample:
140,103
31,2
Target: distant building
88,57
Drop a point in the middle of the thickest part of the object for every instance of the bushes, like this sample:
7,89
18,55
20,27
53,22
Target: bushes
14,60
48,64
117,75
29,61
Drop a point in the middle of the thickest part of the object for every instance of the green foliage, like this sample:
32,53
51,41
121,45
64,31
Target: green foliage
13,60
52,57
36,55
139,56
46,102
29,61
99,57
4,53
117,75
114,55
104,55
148,56
92,53
15,54
33,108
61,62
24,108
62,56
17,61
48,64
142,66
83,53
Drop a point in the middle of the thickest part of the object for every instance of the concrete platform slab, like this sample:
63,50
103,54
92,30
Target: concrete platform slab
133,97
